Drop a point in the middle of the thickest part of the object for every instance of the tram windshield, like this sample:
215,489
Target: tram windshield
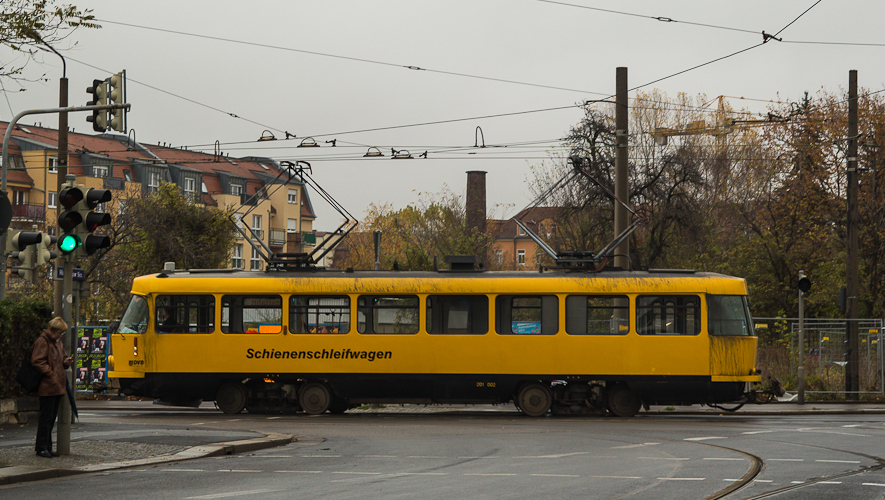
135,319
729,315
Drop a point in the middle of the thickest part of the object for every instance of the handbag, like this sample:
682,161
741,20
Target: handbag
28,376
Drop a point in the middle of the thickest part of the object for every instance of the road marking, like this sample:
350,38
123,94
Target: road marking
273,418
360,473
763,480
829,482
726,459
274,456
320,456
477,474
797,482
634,446
233,494
873,484
618,477
757,432
478,458
561,455
375,456
854,425
423,456
840,461
423,473
705,438
556,475
237,470
663,458
301,471
786,459
183,470
682,478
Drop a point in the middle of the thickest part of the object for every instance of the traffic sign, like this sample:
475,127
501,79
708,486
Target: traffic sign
78,275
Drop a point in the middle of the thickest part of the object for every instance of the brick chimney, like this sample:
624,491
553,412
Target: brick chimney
476,201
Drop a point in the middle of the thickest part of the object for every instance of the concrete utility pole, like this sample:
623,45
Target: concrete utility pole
852,369
622,216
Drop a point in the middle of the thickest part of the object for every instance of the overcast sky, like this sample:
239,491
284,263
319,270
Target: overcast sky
340,70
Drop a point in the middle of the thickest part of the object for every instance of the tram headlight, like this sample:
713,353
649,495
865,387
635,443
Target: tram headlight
111,363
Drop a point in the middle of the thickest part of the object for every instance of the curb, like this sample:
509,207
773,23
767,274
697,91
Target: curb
20,474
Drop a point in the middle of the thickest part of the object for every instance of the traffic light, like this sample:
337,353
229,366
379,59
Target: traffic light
69,219
99,118
44,255
92,220
117,93
20,241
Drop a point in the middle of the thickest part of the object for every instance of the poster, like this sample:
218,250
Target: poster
92,357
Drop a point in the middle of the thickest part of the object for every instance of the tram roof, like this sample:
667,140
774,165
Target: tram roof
498,282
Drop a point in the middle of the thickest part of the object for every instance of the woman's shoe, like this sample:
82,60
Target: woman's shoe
44,454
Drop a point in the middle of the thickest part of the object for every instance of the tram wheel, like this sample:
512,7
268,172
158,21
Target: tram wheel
314,398
621,401
534,399
231,398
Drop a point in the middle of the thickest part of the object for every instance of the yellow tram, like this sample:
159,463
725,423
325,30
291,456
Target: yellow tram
328,341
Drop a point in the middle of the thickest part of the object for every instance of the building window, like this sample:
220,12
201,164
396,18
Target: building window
19,197
236,189
52,163
153,182
190,185
51,199
293,196
256,227
520,257
292,226
255,262
499,256
238,257
99,170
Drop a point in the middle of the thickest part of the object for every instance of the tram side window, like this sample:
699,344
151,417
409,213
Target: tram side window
668,315
729,315
185,313
597,314
527,314
252,314
458,314
319,314
387,314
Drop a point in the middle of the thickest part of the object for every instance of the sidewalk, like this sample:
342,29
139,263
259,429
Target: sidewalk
99,448
96,448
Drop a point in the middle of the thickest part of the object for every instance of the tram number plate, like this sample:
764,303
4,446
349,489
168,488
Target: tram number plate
486,384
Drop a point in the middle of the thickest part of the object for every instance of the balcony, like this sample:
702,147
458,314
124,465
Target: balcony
29,213
277,237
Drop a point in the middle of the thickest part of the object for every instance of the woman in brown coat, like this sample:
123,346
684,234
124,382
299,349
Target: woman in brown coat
49,357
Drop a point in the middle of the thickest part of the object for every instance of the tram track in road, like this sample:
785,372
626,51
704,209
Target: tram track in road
818,480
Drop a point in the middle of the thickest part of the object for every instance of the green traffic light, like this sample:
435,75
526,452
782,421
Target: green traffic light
69,243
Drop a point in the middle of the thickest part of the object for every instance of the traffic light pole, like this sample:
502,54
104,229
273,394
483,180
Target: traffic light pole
3,173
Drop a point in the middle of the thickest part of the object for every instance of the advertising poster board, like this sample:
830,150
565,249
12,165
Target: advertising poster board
92,357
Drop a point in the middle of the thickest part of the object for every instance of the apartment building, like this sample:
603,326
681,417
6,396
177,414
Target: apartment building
267,198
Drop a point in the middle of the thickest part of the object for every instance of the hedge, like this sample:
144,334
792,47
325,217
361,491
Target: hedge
21,322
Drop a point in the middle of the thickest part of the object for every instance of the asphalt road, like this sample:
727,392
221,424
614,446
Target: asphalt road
501,454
